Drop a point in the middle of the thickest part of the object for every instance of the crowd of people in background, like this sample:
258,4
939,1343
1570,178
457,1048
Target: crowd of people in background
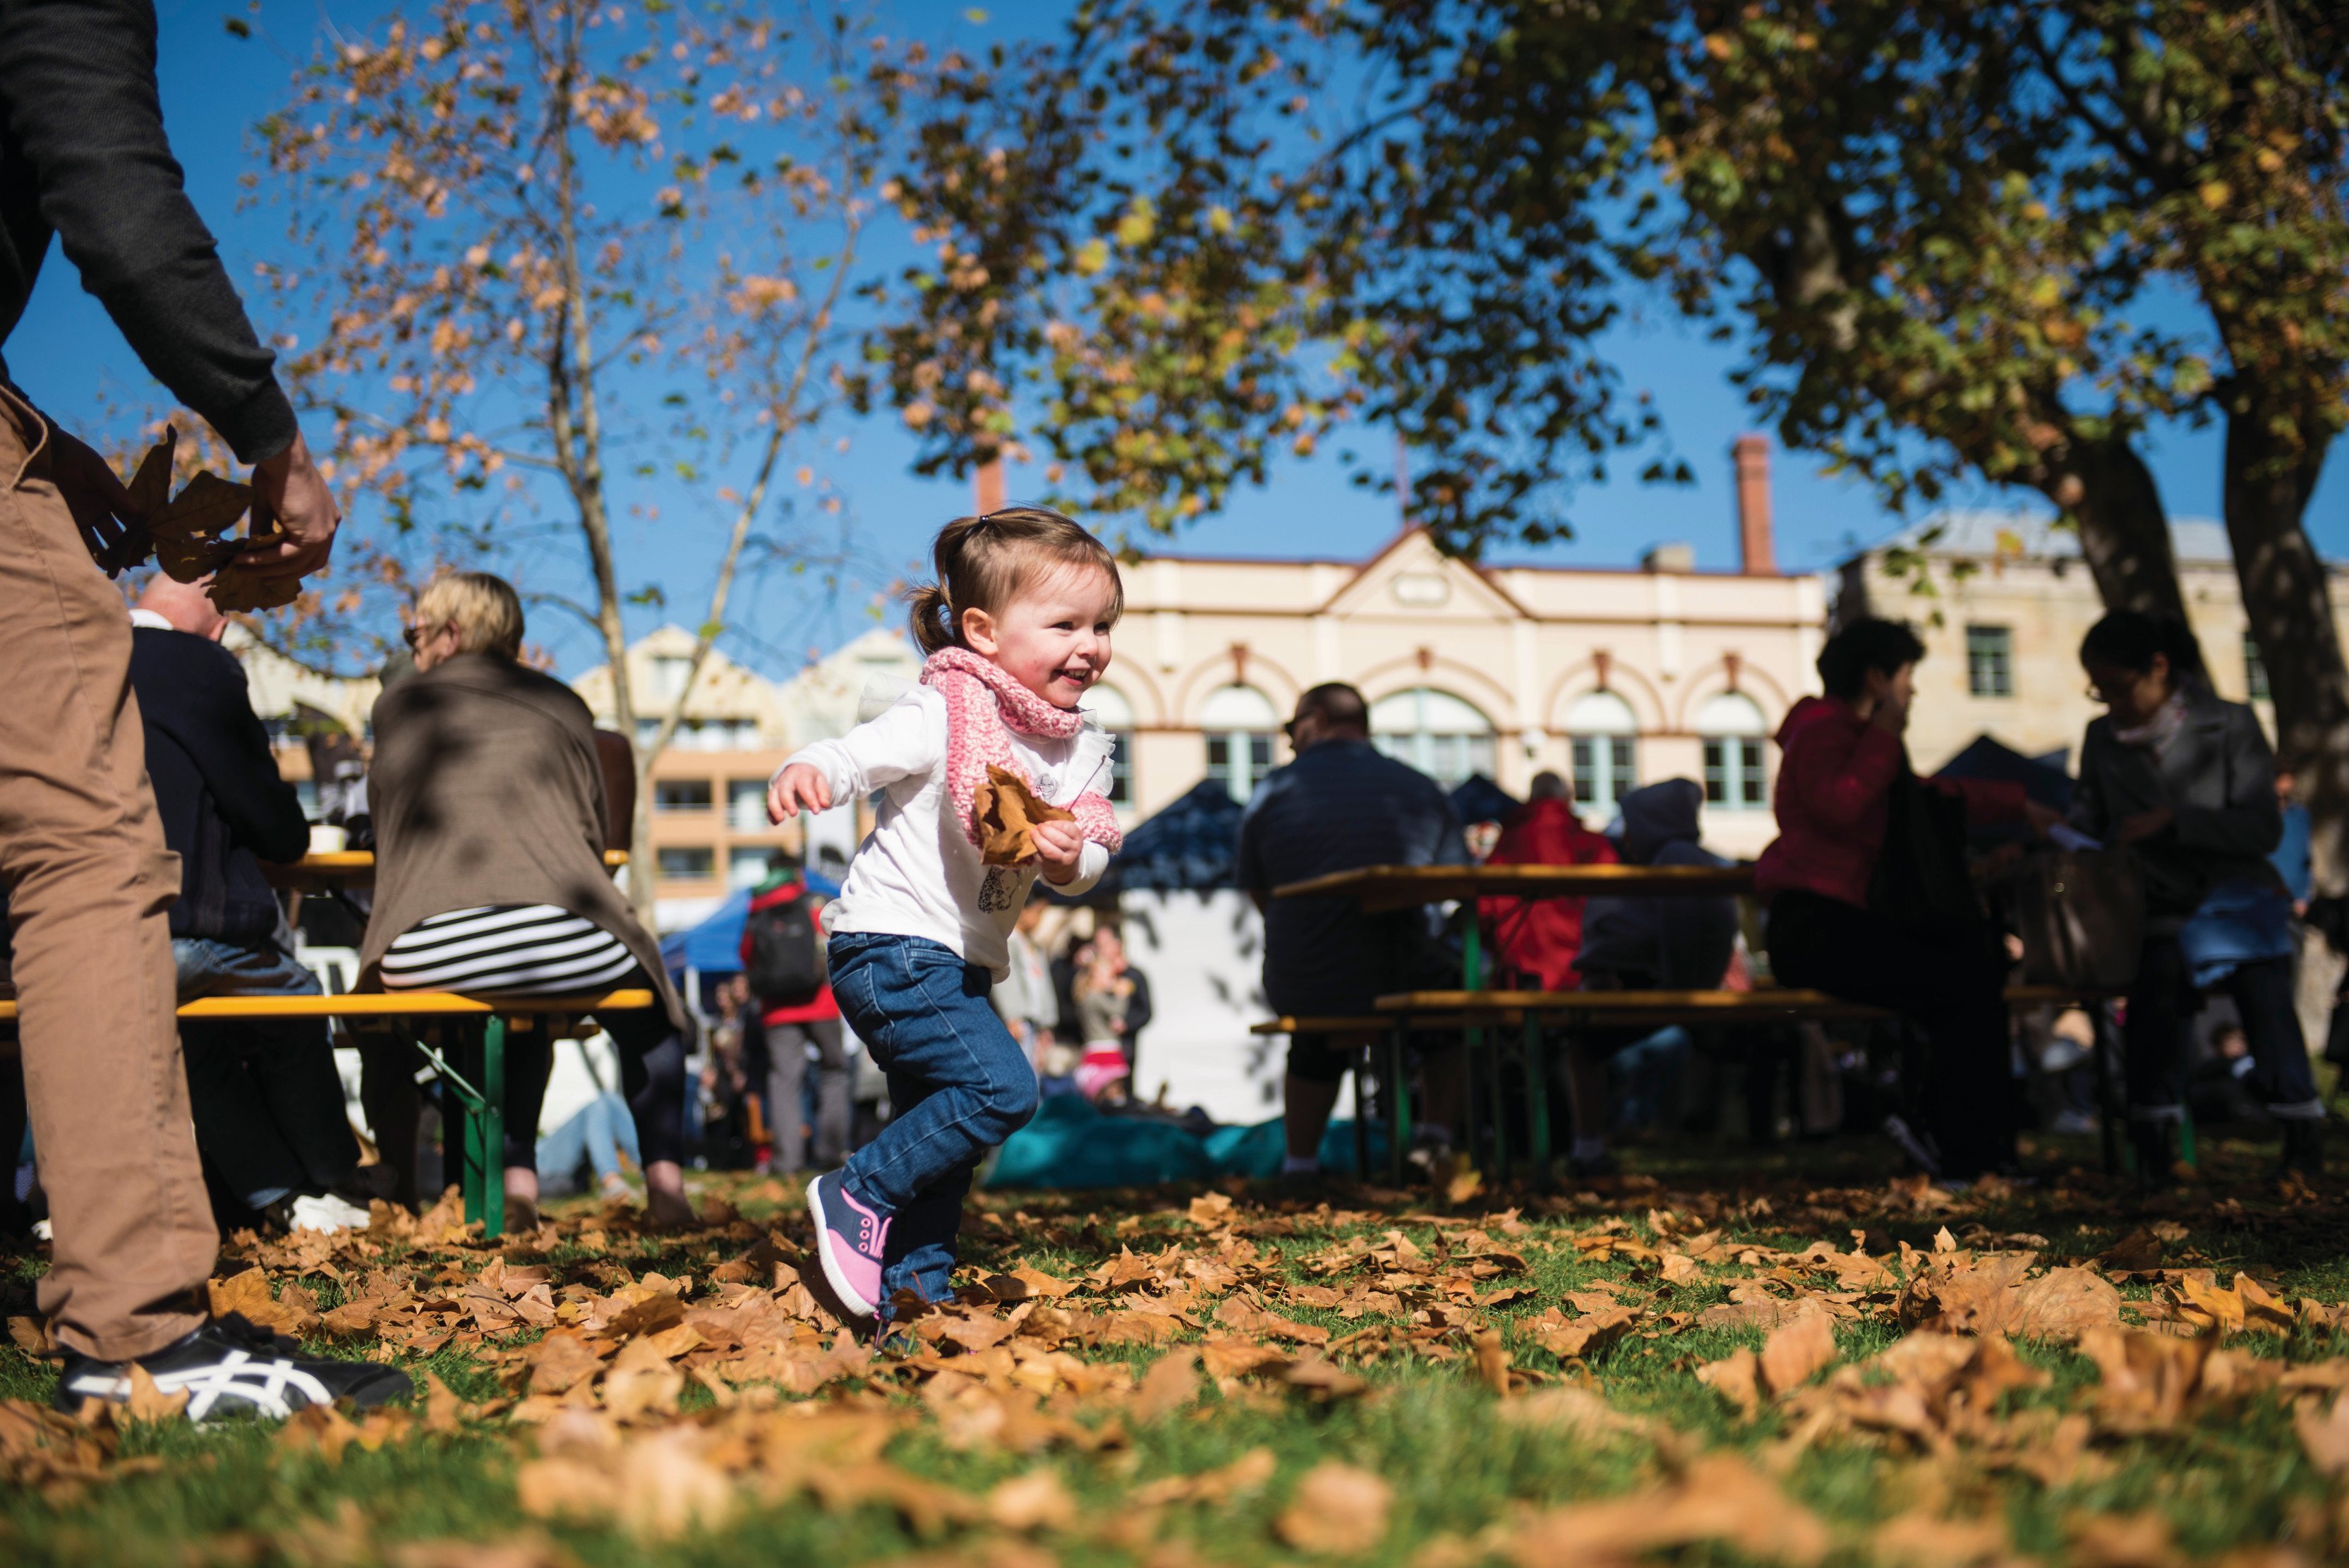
1882,888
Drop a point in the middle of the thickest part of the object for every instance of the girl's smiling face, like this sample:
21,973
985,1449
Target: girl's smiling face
1053,638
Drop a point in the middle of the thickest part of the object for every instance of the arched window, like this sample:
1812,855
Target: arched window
1240,722
1734,730
1114,714
1601,737
1440,735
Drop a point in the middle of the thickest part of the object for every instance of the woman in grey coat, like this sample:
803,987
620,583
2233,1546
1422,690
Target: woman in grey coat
2187,781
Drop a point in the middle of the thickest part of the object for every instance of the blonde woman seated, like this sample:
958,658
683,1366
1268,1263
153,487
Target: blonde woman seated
489,811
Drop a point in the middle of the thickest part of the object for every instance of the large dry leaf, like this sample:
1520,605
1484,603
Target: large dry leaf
1921,1540
1007,810
1171,1382
2062,1304
1719,1497
147,1403
2325,1437
248,1292
1795,1350
1035,1501
1247,1474
2151,1380
1584,1336
1493,1362
1957,1296
1337,1511
1736,1377
1576,1412
2242,1305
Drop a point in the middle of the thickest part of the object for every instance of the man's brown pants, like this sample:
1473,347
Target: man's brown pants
90,885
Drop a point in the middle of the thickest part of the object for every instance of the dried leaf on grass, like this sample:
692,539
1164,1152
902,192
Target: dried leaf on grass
1581,1337
2152,1381
1957,1293
2324,1437
1248,1473
2243,1305
1337,1511
1171,1382
1718,1497
1795,1350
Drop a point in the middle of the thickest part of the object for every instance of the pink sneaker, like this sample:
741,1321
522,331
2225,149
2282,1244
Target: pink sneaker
849,1240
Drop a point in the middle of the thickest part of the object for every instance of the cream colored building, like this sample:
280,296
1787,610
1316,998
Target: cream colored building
1614,677
2001,601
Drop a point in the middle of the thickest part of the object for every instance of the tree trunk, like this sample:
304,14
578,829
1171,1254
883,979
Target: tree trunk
2124,527
2289,603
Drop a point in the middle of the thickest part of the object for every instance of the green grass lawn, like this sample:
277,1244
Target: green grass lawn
995,1459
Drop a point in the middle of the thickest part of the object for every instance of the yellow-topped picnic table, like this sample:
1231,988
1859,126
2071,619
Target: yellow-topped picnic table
1380,888
324,872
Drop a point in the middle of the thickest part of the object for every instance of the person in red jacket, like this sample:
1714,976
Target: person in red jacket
1539,938
790,1025
1841,755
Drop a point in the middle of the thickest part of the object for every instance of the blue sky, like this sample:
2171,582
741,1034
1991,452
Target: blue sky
67,355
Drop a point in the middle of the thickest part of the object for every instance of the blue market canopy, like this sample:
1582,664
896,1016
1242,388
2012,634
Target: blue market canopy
1192,844
2043,779
1479,799
715,946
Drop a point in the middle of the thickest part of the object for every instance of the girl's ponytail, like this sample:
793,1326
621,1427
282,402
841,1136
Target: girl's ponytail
933,618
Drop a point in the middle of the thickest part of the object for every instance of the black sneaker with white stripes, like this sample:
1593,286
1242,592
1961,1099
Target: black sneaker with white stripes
232,1366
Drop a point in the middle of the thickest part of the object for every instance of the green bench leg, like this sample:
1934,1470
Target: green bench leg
1494,1105
485,1137
493,1129
1537,1101
1398,1093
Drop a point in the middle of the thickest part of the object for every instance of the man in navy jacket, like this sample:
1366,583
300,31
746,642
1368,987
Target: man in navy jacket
268,1105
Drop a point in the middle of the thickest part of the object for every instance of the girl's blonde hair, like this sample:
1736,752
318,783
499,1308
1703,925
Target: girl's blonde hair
984,563
485,610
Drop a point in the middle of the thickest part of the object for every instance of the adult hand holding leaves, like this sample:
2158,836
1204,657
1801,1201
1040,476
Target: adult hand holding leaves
92,494
289,492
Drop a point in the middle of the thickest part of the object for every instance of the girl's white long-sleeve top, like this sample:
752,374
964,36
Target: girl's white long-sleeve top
918,874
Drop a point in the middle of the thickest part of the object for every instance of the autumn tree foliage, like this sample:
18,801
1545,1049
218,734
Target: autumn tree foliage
550,252
1954,234
1182,240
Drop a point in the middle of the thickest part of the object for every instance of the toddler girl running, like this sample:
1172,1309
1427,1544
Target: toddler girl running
1014,630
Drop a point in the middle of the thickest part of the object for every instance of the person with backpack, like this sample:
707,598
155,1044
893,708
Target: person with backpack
783,960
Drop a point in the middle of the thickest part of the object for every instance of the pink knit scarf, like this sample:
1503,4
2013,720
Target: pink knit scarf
983,703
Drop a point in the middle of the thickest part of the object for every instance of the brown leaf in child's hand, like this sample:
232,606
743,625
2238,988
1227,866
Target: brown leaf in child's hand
1006,810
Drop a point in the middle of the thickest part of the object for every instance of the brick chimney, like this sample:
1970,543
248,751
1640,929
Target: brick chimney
987,489
1756,556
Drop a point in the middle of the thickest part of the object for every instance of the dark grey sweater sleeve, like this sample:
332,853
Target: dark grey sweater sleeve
78,83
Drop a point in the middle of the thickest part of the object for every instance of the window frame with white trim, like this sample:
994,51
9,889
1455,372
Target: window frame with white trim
1734,737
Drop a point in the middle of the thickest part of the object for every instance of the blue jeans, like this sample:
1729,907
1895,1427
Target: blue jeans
958,1085
598,1133
267,1102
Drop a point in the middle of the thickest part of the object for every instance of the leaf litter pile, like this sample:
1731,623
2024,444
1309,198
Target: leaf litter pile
1770,1372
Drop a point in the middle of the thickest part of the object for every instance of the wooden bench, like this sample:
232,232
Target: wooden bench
1474,1012
483,1109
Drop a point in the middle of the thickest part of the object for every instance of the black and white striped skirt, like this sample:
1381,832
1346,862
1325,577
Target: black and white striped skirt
515,949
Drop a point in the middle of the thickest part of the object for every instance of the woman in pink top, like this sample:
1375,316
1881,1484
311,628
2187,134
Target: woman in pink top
1841,756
